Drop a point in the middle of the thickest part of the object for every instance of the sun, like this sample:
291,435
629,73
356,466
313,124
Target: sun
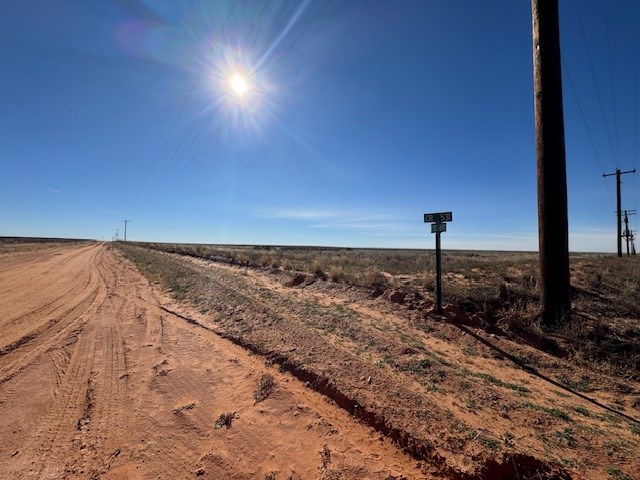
239,85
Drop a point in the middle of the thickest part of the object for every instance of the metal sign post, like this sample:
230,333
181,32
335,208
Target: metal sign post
438,276
438,227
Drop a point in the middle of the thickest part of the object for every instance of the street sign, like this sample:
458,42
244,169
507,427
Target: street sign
438,217
438,227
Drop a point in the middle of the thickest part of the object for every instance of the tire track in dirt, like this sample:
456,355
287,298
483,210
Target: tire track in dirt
322,417
59,275
69,407
257,319
110,416
131,391
69,320
16,266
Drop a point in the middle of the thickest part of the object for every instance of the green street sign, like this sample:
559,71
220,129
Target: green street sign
438,217
438,227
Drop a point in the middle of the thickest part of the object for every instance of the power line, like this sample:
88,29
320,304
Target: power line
211,137
209,98
613,97
175,163
618,174
184,103
635,120
595,81
171,164
167,185
586,125
277,29
167,171
299,37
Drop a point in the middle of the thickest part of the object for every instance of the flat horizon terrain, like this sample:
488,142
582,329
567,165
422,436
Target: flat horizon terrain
197,361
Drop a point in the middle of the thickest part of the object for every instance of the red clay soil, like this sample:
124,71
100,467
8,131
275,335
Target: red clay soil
465,403
98,379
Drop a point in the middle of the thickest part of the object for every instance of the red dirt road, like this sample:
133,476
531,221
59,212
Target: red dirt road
98,381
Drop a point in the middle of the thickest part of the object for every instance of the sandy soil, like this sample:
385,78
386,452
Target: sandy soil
98,380
468,404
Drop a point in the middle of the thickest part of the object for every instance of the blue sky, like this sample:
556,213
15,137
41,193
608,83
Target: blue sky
354,125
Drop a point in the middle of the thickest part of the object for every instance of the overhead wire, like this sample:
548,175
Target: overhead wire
215,133
313,20
158,183
277,29
265,47
193,157
595,81
586,126
173,161
184,104
635,120
613,96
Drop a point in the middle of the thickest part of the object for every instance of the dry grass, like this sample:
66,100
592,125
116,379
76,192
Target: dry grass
496,291
225,420
264,388
499,289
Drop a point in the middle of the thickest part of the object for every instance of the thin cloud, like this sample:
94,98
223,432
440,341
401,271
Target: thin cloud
53,190
297,214
326,217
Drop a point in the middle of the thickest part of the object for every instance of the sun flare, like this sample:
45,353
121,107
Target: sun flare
239,85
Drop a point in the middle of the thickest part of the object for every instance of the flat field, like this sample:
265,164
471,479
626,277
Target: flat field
196,361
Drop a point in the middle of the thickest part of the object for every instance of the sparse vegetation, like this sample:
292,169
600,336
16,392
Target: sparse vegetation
266,383
333,334
225,420
490,442
617,474
181,408
565,437
325,456
498,288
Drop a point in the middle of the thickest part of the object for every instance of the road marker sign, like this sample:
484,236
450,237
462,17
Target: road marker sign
438,217
438,226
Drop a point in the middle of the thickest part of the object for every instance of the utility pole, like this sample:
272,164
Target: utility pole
125,229
627,234
117,234
618,173
553,229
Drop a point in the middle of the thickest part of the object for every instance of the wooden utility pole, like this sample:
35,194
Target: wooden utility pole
618,173
627,234
553,230
125,229
626,230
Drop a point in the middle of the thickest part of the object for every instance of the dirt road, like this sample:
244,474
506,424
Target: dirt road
97,380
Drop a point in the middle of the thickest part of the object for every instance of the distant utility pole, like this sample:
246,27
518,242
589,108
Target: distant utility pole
117,234
125,229
553,229
619,203
627,234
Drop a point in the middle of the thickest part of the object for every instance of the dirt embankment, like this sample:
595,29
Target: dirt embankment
466,403
99,380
